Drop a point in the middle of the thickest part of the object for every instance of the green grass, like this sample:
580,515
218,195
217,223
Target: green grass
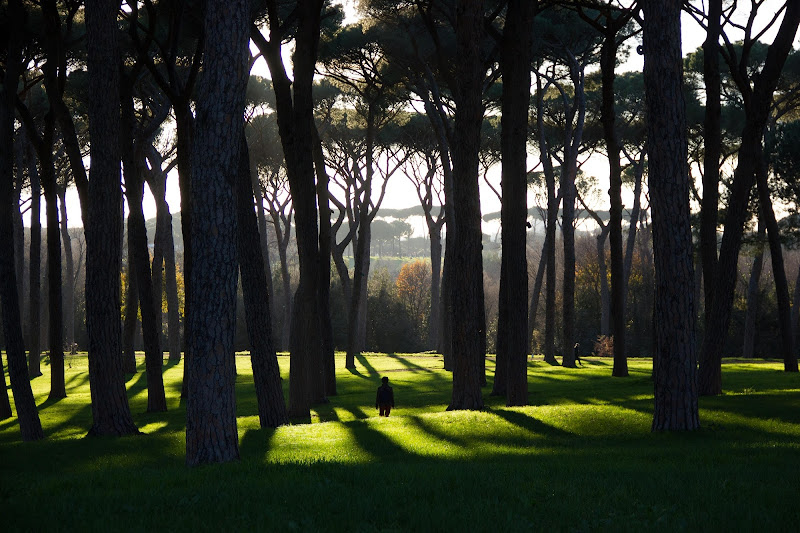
580,458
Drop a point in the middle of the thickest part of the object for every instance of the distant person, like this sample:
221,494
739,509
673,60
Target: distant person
384,400
576,349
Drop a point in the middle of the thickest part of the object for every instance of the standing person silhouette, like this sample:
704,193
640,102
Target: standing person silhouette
384,400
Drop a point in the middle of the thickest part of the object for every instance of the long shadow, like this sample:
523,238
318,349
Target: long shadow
358,413
355,372
255,442
369,368
414,367
530,423
374,442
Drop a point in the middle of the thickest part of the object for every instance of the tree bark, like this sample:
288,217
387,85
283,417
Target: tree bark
515,62
674,365
211,434
467,263
29,423
54,285
266,374
568,176
325,241
712,142
294,106
111,413
608,61
184,132
35,275
778,270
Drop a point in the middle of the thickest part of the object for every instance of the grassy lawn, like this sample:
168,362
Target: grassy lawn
580,458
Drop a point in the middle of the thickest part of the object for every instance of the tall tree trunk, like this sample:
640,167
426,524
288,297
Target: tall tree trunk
111,413
266,374
258,193
467,264
778,270
515,60
361,256
750,156
283,229
211,434
20,144
325,240
157,271
35,274
171,287
130,322
608,61
69,292
164,254
633,222
294,106
748,343
674,363
568,176
184,132
29,424
712,141
549,248
133,167
55,309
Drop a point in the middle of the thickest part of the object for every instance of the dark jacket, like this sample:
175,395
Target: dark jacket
385,396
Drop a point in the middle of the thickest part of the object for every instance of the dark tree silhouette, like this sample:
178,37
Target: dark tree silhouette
266,374
469,331
29,423
515,63
211,434
294,106
675,361
111,414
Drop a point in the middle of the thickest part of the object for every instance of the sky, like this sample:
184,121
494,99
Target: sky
400,193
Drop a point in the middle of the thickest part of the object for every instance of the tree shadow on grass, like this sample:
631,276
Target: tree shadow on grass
256,442
411,366
358,413
366,364
530,423
374,442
